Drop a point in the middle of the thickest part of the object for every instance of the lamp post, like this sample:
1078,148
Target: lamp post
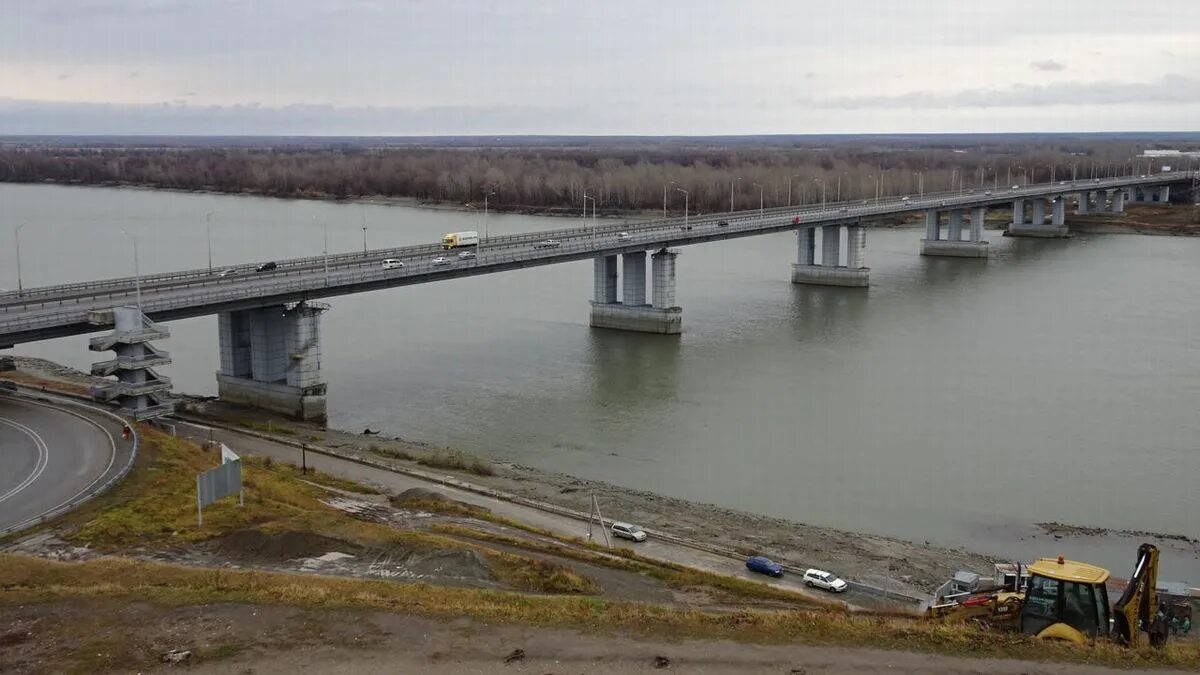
364,229
17,236
839,186
760,200
489,193
137,271
921,184
665,186
208,237
325,227
585,201
732,181
686,196
790,179
822,184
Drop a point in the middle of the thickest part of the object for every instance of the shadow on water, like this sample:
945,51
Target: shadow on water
633,371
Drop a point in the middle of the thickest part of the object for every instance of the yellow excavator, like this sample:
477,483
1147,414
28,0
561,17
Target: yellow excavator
1068,600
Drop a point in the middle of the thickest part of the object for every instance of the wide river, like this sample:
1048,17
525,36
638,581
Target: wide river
955,401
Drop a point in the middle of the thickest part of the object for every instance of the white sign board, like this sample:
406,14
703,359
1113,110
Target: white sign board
223,481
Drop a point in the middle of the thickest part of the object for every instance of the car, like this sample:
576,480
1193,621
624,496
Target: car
1016,187
814,578
1062,182
628,531
904,198
440,261
685,228
392,264
723,223
6,385
624,236
466,255
548,243
844,209
764,565
266,267
227,273
988,193
942,203
1095,180
1142,176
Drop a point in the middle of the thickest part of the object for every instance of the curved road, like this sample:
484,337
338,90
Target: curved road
52,455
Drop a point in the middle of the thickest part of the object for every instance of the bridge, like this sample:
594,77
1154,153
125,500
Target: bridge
268,321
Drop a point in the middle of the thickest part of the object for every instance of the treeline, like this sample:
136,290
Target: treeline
535,179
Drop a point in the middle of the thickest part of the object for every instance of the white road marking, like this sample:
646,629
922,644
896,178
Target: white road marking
39,467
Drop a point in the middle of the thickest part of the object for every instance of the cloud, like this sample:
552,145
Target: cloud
1169,90
1048,65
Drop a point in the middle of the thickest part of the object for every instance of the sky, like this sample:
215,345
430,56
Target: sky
646,67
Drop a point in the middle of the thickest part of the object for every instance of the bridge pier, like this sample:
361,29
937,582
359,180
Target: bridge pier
831,271
661,316
1036,225
271,359
954,246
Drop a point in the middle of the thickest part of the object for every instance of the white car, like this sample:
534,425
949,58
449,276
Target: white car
1016,187
548,243
628,531
440,261
624,236
227,273
988,193
904,199
393,264
466,255
825,580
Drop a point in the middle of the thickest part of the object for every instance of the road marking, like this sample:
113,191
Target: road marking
39,466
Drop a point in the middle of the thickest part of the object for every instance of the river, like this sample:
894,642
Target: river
955,401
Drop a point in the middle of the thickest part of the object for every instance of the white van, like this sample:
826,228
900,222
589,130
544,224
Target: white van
628,531
393,264
826,580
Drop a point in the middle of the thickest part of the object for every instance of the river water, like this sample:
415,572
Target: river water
955,401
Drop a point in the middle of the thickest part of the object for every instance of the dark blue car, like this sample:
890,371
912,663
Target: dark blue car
763,565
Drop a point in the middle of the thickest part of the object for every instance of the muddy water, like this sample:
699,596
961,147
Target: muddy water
955,401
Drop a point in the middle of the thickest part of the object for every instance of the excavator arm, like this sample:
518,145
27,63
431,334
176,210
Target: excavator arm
1137,609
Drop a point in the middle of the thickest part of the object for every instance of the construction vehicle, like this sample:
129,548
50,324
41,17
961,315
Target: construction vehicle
1068,600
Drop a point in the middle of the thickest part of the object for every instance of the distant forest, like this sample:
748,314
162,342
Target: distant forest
620,174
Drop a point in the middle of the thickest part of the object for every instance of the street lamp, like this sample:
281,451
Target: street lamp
17,236
790,179
818,180
208,237
921,184
585,198
760,200
686,196
489,193
364,229
665,186
137,271
732,181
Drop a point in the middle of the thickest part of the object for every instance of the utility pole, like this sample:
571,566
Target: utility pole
20,286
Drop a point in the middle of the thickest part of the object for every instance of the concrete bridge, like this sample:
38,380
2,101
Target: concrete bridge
268,322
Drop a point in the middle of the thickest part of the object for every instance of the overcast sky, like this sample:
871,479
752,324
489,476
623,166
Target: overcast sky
397,67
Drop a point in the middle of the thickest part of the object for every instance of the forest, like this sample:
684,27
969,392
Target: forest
620,175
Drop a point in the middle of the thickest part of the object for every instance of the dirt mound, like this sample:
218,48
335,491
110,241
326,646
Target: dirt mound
252,545
416,493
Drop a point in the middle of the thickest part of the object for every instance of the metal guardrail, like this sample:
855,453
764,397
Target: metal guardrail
108,485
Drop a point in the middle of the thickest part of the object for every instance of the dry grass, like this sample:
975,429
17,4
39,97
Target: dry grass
625,560
27,580
455,460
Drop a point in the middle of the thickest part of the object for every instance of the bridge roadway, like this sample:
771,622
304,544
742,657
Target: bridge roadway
58,311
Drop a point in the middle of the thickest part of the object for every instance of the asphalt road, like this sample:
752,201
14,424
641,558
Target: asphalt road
51,456
562,525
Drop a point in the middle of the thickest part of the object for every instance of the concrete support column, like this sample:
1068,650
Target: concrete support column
1118,204
831,245
271,359
978,215
1164,194
1018,210
933,230
663,274
604,287
633,271
1058,217
806,244
1038,215
856,245
1084,201
955,229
